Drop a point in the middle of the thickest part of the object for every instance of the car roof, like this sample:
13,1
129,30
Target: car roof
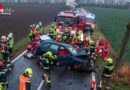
59,43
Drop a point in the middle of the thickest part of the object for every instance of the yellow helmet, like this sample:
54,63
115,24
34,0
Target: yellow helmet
109,60
86,39
28,71
49,53
58,36
91,42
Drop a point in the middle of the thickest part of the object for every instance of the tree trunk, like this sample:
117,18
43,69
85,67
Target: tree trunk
122,49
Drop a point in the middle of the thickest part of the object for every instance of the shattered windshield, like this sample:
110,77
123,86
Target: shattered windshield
68,21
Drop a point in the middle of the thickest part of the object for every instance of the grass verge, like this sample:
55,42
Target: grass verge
115,83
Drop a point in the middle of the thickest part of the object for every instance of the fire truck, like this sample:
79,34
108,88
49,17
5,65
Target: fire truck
71,19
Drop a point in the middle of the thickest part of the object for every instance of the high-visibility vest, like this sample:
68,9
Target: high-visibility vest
1,87
108,69
22,82
11,43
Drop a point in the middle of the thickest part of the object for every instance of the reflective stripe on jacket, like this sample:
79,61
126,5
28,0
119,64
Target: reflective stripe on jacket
108,69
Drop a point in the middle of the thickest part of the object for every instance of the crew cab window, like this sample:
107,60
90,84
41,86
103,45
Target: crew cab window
54,47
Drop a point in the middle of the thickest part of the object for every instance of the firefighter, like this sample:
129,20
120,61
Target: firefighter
88,29
40,28
58,38
64,39
79,41
73,40
50,57
24,79
10,43
4,49
34,31
30,34
67,34
53,32
107,74
91,47
47,65
3,80
78,38
86,43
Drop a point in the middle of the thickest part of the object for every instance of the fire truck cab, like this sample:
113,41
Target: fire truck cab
70,19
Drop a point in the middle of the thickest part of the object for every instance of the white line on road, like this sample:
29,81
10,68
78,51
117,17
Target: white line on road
40,86
13,61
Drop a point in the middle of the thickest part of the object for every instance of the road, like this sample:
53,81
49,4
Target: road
61,79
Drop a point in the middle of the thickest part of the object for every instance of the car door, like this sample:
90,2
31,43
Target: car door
54,48
44,47
64,60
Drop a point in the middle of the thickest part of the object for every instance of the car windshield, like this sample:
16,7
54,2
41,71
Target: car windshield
90,20
73,50
68,21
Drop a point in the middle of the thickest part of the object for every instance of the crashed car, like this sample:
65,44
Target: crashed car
76,59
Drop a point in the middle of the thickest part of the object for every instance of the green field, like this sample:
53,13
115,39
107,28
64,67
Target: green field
113,25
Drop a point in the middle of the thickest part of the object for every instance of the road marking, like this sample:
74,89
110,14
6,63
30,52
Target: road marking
40,86
13,61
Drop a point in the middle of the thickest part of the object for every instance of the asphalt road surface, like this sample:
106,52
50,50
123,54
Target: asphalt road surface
62,79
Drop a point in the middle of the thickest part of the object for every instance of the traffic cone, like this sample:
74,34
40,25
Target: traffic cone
93,85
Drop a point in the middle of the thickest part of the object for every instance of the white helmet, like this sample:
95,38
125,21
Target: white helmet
40,23
37,26
33,25
10,35
30,25
3,37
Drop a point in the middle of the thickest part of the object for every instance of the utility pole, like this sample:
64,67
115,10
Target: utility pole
122,49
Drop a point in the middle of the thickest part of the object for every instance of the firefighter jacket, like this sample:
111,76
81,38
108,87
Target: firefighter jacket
11,42
107,71
3,80
46,64
4,48
24,82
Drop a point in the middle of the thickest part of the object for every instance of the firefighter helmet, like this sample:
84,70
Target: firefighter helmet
49,53
91,42
28,71
40,23
58,36
37,26
3,37
10,35
87,39
109,60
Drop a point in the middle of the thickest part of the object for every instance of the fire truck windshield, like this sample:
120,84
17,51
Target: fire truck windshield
89,20
67,21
